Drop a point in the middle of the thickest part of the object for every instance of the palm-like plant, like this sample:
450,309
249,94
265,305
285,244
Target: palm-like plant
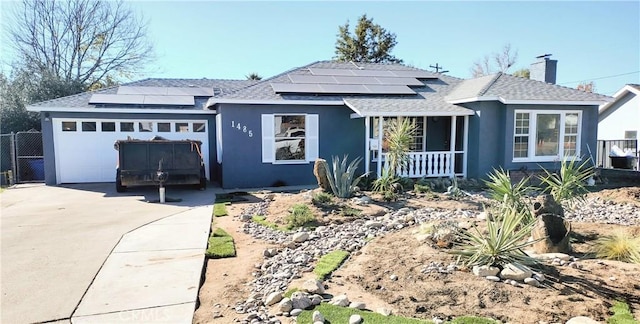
399,137
503,244
568,186
385,181
510,195
342,178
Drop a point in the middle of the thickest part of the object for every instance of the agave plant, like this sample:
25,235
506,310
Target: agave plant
568,185
503,244
342,178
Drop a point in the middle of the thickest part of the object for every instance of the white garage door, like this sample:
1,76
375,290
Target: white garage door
84,147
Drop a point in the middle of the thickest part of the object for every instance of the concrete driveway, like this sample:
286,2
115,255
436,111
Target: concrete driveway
54,241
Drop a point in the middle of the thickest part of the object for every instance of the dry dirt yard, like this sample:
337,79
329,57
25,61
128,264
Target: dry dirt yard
389,271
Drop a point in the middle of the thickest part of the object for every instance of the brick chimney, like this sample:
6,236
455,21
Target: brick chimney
544,69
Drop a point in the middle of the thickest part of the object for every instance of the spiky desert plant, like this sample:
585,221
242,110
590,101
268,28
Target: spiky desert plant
399,137
568,185
620,246
385,181
341,177
510,195
503,244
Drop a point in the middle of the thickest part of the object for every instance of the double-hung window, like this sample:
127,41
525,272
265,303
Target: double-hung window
289,138
545,135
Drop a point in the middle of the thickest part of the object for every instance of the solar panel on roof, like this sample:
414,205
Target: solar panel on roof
133,90
344,88
299,78
356,80
116,99
319,71
169,91
296,88
190,91
381,73
414,74
389,89
400,81
169,100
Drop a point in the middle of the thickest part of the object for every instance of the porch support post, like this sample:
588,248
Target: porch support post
452,147
465,150
367,152
379,164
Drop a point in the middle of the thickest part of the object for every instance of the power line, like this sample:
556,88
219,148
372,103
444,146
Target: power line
600,78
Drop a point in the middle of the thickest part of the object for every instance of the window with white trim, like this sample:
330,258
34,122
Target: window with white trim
289,138
546,135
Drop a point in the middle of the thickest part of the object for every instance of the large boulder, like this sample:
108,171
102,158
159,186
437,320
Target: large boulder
551,229
320,171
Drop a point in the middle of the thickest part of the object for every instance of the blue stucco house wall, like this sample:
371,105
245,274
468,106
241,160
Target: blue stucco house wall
242,165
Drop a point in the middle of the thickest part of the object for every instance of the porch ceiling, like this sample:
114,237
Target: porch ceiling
365,107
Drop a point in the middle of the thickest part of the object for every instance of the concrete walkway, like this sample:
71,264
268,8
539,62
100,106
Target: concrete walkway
152,275
58,243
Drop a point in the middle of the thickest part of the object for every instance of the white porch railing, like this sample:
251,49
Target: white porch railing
427,164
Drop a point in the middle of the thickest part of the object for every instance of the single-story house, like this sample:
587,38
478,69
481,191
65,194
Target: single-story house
620,118
262,133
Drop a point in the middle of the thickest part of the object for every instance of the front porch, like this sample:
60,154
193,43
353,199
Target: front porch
439,148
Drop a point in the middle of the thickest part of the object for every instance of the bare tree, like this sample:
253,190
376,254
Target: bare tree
587,86
495,62
89,42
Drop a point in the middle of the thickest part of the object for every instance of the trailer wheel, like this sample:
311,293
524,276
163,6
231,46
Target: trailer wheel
119,186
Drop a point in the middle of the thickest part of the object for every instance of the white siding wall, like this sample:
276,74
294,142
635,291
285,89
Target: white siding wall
625,117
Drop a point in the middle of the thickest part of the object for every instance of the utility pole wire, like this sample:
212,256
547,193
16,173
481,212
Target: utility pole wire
600,78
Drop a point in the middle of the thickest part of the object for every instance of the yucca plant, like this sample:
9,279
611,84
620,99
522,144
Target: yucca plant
503,244
399,137
568,185
510,195
620,246
342,179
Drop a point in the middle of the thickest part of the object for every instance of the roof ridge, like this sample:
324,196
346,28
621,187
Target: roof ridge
553,84
489,84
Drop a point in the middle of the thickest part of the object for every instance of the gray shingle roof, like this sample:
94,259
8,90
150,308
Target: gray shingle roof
509,87
81,100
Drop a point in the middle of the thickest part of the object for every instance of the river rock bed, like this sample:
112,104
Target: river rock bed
292,259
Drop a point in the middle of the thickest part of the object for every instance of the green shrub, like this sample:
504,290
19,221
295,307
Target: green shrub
620,246
568,185
621,314
503,244
262,220
390,196
329,263
421,188
342,177
350,212
321,198
299,215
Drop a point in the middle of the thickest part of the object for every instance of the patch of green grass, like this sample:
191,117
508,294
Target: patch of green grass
262,220
219,210
337,314
329,263
472,320
621,314
220,245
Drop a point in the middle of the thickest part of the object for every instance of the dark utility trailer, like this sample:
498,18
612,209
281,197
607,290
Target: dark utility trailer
156,161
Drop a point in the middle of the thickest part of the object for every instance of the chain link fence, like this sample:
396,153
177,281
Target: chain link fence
22,159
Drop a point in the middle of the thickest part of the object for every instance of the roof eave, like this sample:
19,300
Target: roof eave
529,101
622,92
214,101
121,110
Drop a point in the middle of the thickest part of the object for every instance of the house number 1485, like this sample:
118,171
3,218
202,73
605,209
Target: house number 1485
241,128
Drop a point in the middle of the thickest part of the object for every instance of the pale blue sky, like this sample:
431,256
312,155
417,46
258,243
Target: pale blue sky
215,39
